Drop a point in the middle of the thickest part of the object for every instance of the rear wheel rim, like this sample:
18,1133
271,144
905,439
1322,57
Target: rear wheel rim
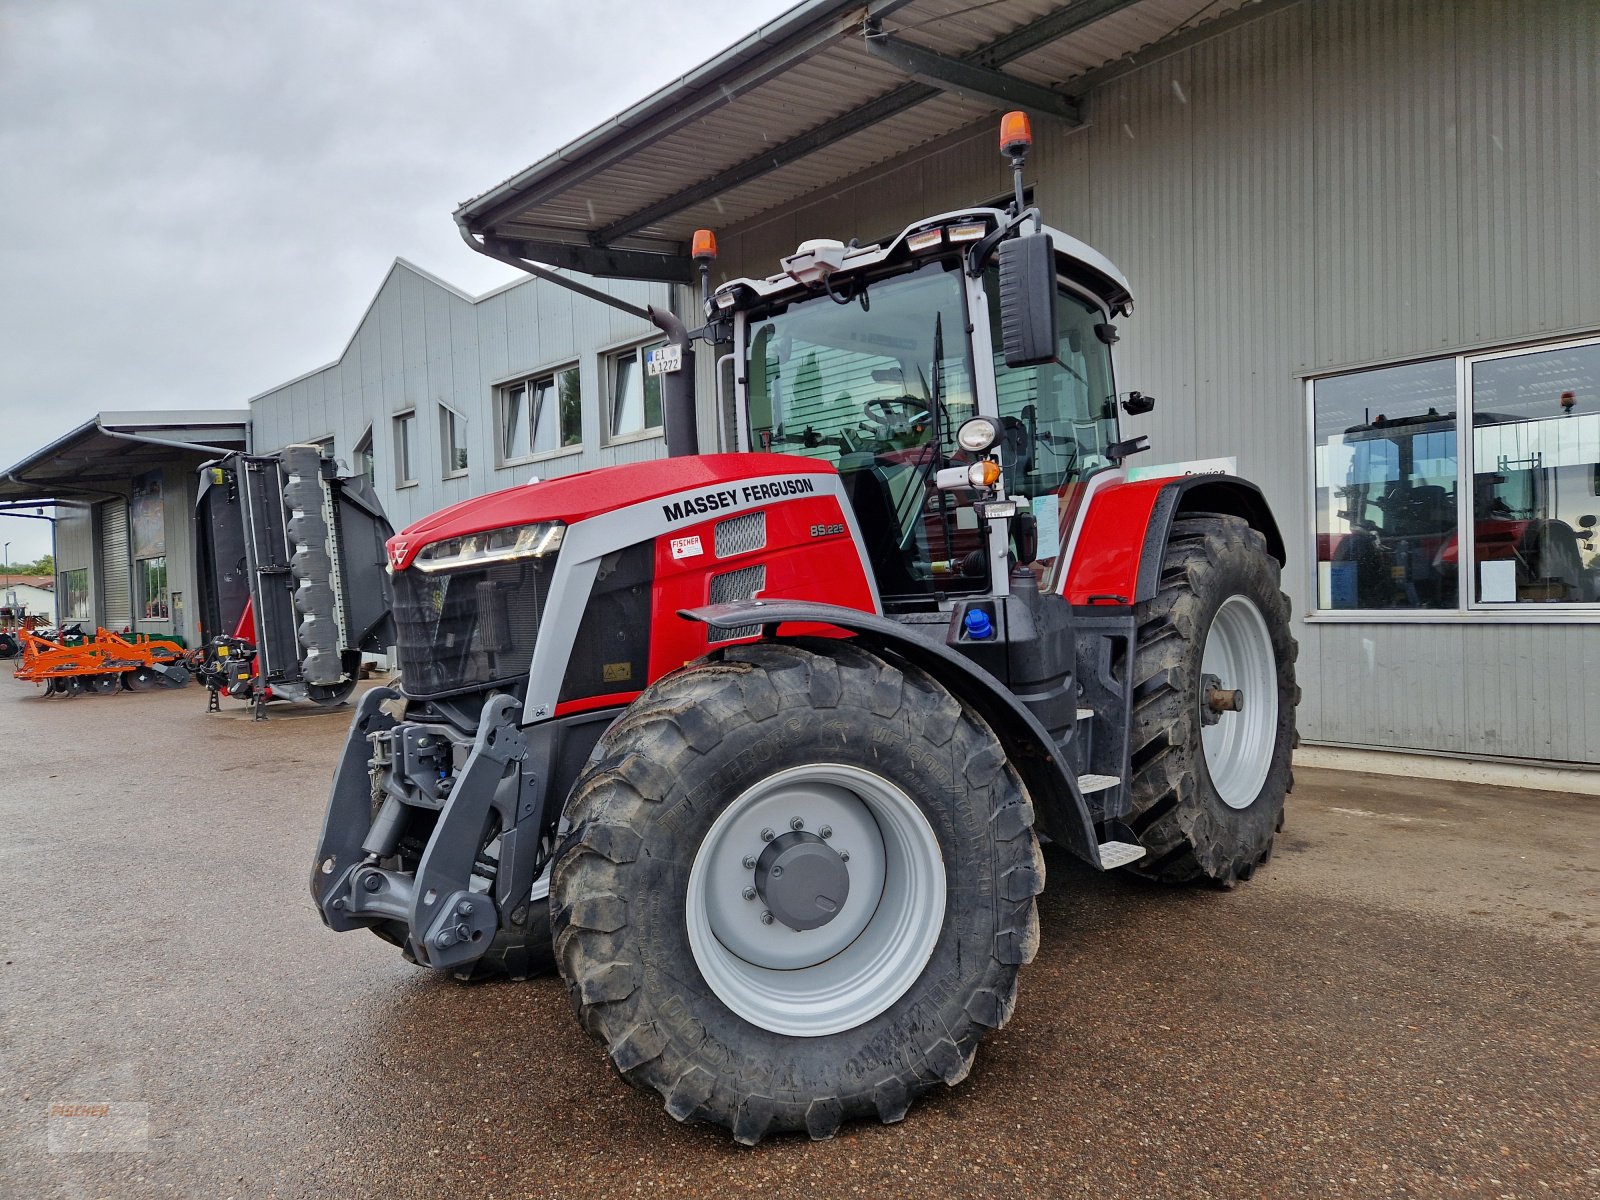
813,982
1239,746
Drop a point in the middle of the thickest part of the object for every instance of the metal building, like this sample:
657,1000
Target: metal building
123,489
439,396
1363,237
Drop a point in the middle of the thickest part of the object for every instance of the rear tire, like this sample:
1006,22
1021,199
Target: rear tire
1208,799
793,1032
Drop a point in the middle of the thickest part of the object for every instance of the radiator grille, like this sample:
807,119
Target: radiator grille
742,584
739,534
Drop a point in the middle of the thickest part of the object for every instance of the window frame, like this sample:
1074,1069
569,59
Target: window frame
143,601
66,610
448,447
529,381
608,360
405,448
365,457
1468,610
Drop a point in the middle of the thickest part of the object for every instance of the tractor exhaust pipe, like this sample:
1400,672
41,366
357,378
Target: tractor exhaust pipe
677,387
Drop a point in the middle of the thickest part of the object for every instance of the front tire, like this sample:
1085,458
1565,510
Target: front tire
866,987
1209,785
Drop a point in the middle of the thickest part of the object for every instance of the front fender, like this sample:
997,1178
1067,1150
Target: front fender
1052,786
1119,551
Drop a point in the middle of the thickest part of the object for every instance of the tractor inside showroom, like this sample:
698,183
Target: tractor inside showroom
758,748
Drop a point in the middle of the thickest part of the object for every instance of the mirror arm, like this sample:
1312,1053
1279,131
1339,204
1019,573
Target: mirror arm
979,254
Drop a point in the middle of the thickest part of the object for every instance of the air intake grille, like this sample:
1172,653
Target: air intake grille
739,534
742,584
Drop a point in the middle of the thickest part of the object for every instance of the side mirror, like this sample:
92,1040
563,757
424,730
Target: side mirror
1136,404
1028,300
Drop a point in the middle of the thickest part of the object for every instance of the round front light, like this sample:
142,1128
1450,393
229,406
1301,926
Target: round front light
978,434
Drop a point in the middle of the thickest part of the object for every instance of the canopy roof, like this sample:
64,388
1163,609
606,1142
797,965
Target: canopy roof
101,455
825,91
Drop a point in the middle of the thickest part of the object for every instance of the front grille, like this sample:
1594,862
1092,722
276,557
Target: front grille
739,534
470,628
742,584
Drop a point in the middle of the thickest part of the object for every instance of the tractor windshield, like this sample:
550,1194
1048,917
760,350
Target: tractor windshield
853,384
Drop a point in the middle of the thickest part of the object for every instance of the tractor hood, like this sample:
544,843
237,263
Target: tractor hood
574,498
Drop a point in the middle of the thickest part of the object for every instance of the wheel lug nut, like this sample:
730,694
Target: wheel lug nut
826,831
797,824
749,862
766,917
749,893
844,856
767,835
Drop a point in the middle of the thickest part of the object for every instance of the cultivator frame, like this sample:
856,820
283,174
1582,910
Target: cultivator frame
105,663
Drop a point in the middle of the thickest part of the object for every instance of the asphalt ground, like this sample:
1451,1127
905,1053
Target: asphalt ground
1403,1002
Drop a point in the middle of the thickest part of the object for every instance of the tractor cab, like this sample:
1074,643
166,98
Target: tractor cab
877,359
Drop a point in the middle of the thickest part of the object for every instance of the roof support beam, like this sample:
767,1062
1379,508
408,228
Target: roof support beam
984,85
1004,49
654,119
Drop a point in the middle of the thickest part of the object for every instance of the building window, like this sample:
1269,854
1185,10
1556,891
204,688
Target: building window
452,441
635,394
541,415
366,463
405,444
74,595
1397,480
151,574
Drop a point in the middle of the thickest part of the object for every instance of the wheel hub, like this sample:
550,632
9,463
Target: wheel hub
801,880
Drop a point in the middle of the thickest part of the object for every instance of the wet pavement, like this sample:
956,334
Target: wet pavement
1403,1002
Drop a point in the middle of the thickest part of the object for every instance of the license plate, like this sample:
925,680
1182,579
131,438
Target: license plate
663,359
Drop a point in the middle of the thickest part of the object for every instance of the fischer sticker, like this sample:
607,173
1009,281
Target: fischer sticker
686,547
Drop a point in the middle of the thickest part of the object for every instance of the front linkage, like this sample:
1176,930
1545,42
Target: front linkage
487,789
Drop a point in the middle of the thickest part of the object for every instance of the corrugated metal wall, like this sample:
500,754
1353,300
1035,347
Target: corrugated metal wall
1335,183
422,344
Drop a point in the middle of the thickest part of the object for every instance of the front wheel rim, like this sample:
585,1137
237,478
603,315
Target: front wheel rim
1239,746
813,982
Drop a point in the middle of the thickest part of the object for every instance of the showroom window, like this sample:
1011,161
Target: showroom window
542,415
635,394
1397,481
405,446
452,441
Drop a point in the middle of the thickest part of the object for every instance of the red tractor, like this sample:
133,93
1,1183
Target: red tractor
758,748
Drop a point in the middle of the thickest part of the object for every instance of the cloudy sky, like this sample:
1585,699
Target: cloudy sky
199,197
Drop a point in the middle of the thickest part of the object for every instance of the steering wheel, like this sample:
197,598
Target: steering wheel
896,414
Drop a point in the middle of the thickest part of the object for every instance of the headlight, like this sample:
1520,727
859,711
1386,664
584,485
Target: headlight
495,545
978,434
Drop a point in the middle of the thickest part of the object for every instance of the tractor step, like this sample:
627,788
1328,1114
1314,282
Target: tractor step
1096,783
1119,854
1085,714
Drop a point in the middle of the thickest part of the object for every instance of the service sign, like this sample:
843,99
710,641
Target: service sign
664,359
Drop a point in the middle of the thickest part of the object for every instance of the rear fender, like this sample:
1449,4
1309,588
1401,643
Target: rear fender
1052,786
1119,551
